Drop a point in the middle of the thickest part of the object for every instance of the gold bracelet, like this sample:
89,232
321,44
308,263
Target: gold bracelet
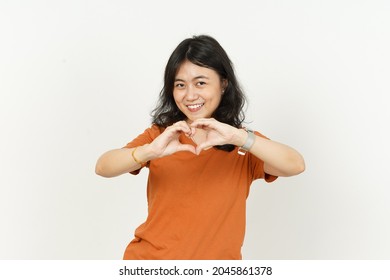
135,159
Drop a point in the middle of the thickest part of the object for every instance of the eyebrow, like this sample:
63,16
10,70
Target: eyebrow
196,78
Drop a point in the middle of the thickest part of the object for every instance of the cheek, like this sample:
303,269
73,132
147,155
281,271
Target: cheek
217,97
175,97
178,100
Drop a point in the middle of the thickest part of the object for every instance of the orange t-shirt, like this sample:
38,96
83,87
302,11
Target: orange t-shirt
196,204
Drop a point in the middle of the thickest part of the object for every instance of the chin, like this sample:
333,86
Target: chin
192,118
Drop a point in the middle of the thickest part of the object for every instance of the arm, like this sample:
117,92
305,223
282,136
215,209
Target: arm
119,161
279,159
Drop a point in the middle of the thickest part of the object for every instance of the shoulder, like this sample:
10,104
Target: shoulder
146,137
256,132
154,130
260,134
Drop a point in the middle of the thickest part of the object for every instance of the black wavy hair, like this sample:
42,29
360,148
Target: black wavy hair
204,51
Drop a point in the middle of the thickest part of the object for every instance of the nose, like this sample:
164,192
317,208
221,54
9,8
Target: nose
191,94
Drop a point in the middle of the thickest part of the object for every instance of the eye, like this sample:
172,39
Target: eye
179,85
200,83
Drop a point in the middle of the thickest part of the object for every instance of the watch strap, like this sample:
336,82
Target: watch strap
250,140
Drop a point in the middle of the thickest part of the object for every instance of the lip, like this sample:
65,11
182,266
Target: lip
194,107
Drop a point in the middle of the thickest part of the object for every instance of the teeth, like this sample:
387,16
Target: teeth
195,106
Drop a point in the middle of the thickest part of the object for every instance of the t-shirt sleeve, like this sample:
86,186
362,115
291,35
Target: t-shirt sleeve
144,138
258,166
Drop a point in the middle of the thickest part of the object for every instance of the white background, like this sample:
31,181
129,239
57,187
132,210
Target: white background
79,77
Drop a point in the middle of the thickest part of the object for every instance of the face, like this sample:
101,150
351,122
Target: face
197,91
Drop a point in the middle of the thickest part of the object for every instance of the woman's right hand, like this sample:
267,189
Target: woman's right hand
168,143
120,161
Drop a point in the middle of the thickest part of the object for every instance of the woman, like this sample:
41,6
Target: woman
201,160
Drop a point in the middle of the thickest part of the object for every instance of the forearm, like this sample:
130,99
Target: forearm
119,161
279,159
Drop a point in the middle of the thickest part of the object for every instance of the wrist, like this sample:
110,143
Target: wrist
249,141
241,136
142,154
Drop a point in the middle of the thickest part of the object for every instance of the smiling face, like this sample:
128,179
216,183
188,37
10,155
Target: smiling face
197,91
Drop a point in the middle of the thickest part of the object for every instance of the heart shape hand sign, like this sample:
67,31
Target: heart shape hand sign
205,133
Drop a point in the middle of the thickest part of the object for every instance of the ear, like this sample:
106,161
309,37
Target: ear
224,85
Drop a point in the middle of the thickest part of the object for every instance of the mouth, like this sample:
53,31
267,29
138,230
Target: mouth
195,107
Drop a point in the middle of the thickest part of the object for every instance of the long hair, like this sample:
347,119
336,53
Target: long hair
203,51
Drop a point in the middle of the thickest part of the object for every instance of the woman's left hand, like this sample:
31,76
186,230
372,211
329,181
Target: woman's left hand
279,159
218,133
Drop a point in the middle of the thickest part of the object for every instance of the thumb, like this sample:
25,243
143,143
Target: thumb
203,146
186,148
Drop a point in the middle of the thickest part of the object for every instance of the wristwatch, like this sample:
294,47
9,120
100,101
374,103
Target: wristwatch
248,143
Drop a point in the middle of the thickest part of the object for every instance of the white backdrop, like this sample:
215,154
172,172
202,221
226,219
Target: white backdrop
79,77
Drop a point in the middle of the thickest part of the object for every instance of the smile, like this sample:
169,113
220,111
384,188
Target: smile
194,107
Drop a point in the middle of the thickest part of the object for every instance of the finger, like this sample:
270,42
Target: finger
183,126
179,127
204,123
203,146
191,132
186,148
